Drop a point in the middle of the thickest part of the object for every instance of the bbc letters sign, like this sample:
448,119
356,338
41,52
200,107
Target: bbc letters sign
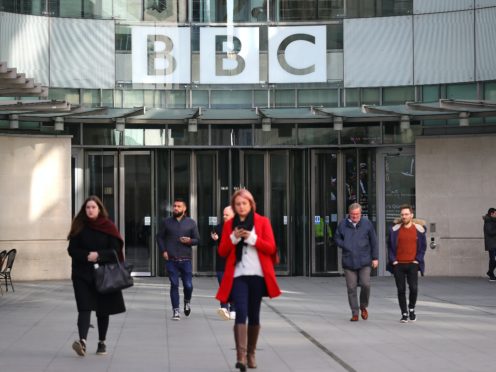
163,55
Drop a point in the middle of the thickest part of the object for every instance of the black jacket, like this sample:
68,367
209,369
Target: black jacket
87,298
489,233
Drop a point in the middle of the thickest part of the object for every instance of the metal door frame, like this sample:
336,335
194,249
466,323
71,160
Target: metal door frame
267,196
116,180
340,204
122,224
381,154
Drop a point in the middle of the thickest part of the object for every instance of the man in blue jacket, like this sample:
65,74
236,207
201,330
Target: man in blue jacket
357,239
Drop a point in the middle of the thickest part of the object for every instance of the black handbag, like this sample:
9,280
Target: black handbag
113,276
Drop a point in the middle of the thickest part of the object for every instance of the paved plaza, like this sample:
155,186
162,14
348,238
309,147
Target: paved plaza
306,329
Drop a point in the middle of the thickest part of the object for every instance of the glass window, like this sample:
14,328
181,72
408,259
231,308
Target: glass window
34,7
231,98
461,91
91,97
134,137
122,38
307,10
352,97
155,137
216,10
335,36
364,134
368,8
318,97
260,98
285,98
397,95
394,134
129,10
166,10
60,94
430,93
176,98
108,98
279,134
371,96
178,135
316,135
149,98
490,91
72,9
200,98
97,135
223,135
132,98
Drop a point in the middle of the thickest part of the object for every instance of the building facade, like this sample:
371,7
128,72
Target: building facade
311,105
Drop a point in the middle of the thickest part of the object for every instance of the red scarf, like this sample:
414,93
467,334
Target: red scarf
106,226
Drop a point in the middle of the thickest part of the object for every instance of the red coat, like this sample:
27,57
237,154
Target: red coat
266,248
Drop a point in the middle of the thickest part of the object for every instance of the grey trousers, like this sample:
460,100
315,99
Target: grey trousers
352,277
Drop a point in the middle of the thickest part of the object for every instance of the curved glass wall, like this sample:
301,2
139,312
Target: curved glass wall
211,11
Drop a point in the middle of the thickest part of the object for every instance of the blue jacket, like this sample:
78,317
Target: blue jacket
421,244
359,244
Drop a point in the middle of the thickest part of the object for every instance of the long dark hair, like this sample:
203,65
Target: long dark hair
81,218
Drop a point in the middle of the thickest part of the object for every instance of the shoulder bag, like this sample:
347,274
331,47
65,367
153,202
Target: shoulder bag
113,276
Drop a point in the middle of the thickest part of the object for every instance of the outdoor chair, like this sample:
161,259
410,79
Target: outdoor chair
6,269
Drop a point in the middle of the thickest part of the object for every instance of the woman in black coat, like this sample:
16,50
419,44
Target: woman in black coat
93,240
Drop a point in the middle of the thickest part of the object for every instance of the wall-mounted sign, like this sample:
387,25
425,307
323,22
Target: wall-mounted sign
229,55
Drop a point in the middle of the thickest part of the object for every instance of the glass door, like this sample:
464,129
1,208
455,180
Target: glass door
325,196
207,188
101,180
396,186
265,174
136,210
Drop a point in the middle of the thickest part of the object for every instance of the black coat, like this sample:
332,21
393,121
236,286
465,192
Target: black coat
87,298
489,233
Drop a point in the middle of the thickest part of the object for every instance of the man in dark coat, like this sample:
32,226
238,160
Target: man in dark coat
357,239
490,241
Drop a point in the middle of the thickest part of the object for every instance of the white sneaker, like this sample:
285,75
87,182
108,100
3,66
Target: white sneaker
223,313
232,315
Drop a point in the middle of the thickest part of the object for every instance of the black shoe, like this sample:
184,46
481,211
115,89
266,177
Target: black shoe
79,346
101,349
187,309
492,277
412,315
404,318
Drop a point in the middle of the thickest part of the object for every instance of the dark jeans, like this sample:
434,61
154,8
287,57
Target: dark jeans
247,292
408,271
492,262
184,269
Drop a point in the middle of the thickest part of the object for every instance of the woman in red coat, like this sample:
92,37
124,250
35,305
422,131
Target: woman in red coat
250,250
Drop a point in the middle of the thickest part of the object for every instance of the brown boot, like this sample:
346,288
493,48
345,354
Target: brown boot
253,332
240,339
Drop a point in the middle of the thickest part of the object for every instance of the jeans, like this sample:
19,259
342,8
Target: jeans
352,277
247,292
183,268
408,271
492,262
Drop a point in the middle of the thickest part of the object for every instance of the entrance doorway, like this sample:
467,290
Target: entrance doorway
395,186
124,184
